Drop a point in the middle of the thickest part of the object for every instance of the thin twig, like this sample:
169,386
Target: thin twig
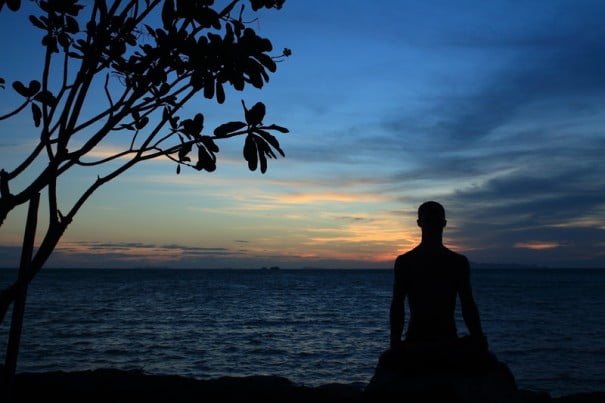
19,109
111,107
111,158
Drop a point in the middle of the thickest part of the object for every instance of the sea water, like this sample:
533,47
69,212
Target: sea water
311,326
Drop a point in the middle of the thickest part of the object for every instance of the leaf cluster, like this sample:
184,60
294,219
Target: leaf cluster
188,45
12,5
59,23
197,48
149,58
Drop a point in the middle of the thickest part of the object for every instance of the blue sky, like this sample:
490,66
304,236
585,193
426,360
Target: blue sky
496,109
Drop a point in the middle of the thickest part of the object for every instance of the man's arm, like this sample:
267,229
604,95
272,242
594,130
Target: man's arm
470,313
397,312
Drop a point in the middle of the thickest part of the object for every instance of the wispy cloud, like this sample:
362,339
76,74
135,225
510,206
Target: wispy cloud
536,245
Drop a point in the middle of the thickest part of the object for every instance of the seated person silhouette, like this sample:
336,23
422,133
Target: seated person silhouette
431,277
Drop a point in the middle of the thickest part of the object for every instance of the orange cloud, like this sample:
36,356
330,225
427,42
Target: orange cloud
584,222
301,198
537,245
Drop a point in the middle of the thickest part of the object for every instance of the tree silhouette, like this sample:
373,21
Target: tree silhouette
148,58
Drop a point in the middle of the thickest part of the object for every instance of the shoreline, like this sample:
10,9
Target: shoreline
104,384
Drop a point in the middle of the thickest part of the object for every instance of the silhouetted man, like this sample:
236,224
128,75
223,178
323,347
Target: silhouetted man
433,364
431,277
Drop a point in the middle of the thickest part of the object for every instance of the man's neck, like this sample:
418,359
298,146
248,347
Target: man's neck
432,241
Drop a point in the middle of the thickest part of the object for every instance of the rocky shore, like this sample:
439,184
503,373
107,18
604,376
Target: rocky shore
110,385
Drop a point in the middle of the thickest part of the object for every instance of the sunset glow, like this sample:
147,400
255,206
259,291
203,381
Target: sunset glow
493,109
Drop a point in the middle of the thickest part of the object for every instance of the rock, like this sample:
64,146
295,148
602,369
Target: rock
591,397
112,385
441,377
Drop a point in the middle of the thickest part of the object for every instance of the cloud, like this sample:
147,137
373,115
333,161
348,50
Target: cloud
192,248
556,215
352,218
304,198
536,245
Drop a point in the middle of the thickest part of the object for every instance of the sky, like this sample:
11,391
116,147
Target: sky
495,109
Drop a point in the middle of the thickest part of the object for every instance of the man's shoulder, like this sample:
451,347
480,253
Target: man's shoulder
455,255
411,254
408,258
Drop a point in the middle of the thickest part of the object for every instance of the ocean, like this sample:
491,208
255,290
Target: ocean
311,326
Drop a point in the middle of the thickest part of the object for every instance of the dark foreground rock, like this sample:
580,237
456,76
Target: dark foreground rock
110,385
463,371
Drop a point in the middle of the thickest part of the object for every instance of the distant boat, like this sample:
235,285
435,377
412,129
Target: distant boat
270,268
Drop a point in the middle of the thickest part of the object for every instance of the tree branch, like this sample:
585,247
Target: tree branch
26,162
101,115
111,158
111,106
19,109
45,135
52,201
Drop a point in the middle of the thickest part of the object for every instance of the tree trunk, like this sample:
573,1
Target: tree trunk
12,350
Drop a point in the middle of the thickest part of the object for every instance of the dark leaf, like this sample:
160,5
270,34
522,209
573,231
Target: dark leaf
46,97
141,122
72,25
228,9
174,122
37,114
220,93
193,127
168,13
197,81
209,88
207,18
210,144
271,140
164,88
267,62
250,153
227,128
205,160
63,39
198,124
150,30
34,20
255,77
278,128
20,88
91,27
51,43
73,9
125,126
184,150
34,87
178,169
269,152
255,115
238,82
13,5
256,4
229,36
262,150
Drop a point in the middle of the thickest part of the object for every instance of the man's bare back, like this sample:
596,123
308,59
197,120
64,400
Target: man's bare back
431,277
